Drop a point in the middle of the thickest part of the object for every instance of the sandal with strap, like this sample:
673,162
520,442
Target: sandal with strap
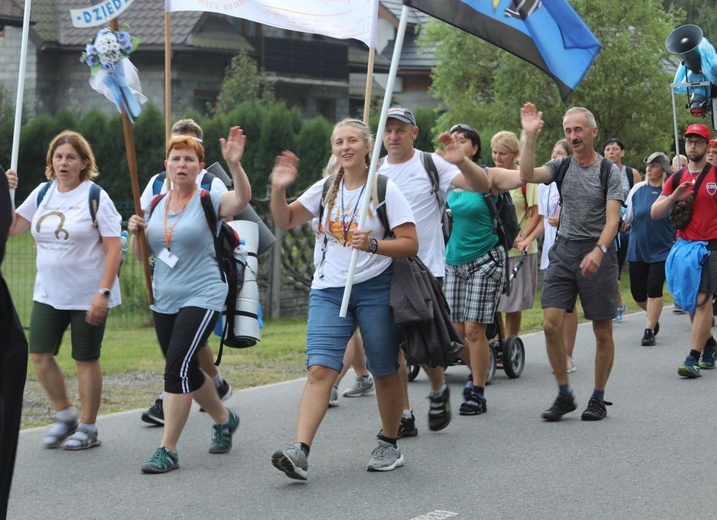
82,439
59,431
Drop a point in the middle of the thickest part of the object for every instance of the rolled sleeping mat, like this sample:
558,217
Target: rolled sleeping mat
246,321
266,237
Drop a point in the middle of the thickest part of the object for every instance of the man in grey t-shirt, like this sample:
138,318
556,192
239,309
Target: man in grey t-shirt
582,260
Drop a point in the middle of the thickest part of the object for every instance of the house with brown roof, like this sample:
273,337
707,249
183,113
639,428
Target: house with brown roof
320,75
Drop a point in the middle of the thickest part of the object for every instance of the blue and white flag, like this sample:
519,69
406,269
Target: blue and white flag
548,33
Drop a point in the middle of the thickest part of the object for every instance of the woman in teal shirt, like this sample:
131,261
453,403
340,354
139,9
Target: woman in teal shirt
474,268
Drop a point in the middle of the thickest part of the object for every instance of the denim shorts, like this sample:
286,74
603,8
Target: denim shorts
328,334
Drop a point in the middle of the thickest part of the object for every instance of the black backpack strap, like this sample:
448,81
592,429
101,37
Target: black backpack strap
382,182
605,169
630,176
676,179
430,167
560,177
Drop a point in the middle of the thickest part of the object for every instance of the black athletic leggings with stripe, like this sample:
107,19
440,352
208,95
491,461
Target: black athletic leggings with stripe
181,336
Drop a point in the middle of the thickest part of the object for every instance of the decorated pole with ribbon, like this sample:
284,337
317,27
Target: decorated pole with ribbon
132,165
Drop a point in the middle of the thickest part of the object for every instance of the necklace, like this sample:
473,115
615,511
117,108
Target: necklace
346,226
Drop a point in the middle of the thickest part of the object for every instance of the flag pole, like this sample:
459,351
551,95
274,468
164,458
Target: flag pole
167,74
392,73
20,93
369,84
132,165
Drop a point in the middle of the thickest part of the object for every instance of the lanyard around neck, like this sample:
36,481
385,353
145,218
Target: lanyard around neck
168,232
344,225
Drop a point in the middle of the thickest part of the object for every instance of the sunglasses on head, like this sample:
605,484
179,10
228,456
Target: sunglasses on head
466,129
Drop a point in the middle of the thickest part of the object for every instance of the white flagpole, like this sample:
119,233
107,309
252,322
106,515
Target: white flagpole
20,92
393,71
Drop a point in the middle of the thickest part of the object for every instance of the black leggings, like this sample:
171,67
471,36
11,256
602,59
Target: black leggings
646,280
181,336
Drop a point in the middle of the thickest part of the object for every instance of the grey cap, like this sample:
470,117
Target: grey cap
402,114
659,158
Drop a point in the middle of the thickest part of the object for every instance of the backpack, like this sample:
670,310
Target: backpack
159,182
226,240
505,225
93,199
446,216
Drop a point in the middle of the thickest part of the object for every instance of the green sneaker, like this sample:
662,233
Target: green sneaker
162,461
690,368
222,435
709,355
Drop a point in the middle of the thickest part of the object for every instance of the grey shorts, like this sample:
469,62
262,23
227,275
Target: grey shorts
564,281
708,280
473,290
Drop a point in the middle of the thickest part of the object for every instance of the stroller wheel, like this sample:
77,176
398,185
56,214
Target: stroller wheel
491,365
513,357
413,371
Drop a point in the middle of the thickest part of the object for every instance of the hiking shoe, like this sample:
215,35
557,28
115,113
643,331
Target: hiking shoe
334,399
689,369
439,413
362,386
222,434
155,413
709,355
570,366
162,461
648,338
561,406
476,405
225,392
595,411
82,439
59,431
468,389
385,457
407,428
292,461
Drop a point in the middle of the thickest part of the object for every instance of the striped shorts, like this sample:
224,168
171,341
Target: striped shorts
473,289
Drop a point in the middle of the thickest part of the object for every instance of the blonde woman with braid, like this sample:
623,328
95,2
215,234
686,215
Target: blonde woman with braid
327,333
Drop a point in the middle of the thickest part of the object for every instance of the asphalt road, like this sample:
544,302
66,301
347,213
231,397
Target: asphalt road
653,457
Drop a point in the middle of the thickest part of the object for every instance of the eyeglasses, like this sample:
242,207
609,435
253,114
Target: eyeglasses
695,142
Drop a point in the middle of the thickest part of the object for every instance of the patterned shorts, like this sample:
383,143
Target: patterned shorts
473,289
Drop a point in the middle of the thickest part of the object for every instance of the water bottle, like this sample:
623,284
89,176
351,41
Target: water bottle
241,255
123,243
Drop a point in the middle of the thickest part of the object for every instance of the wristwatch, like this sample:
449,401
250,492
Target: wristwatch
602,248
104,292
373,246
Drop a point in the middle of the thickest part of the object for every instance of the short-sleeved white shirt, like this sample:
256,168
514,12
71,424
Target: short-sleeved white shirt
413,181
70,256
332,266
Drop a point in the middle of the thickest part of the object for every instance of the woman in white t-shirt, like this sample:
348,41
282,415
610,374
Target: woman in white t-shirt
327,332
549,208
78,256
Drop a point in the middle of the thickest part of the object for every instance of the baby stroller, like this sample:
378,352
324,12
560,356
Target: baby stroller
510,353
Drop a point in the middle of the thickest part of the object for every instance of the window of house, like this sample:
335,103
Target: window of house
327,108
204,101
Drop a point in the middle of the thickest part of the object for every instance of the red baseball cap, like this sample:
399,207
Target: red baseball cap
698,129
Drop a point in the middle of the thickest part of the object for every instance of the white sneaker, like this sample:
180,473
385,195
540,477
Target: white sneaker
571,365
385,457
334,399
362,386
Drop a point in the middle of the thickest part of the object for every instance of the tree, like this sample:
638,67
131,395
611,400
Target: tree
698,12
243,83
626,88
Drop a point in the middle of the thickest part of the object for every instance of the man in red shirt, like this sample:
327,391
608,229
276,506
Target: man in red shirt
701,227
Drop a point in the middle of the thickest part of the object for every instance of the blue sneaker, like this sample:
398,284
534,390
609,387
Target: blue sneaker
709,355
620,311
690,368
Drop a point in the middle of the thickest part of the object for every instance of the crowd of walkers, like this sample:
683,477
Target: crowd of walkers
591,212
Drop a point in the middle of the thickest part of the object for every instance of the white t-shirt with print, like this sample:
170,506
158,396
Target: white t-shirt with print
70,257
412,178
217,186
332,269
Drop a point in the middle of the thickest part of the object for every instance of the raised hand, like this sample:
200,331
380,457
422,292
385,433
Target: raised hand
285,170
233,146
531,119
453,153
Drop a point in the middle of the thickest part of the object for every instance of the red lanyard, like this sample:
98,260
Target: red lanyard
168,232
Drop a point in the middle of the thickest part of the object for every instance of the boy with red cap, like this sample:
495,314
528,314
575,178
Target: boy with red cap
684,273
